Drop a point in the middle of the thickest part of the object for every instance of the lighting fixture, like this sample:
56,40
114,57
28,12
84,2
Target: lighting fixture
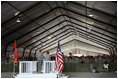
91,15
17,13
49,37
18,20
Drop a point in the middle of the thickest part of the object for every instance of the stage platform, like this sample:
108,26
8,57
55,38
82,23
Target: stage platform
76,75
27,69
37,75
91,75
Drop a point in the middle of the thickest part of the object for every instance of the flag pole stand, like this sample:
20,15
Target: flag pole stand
13,73
15,57
57,75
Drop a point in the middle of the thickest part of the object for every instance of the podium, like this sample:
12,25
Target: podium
28,69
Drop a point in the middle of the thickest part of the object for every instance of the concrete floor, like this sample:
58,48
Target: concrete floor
76,75
91,75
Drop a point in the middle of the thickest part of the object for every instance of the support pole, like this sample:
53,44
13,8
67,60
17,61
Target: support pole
13,73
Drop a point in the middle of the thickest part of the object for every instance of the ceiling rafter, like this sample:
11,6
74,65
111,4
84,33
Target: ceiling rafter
75,3
88,17
43,15
88,24
91,30
84,27
100,43
100,40
44,32
77,28
33,30
75,34
50,21
20,12
73,31
108,41
28,17
83,31
31,21
15,29
53,40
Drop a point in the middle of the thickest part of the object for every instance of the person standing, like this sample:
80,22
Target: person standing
91,66
39,56
106,66
70,55
46,57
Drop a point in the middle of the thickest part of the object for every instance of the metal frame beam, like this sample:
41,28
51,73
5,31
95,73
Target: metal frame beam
60,40
87,16
48,35
41,42
94,35
96,39
34,29
72,2
64,26
64,21
43,32
72,34
91,30
20,12
93,26
51,41
31,21
54,9
82,26
61,15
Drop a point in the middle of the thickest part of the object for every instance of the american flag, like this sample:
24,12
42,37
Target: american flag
59,62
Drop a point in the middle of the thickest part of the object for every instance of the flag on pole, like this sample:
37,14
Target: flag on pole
15,52
59,62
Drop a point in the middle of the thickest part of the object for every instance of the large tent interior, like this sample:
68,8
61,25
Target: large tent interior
84,28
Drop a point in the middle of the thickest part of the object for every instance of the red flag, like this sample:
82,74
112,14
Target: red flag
59,62
14,45
15,52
